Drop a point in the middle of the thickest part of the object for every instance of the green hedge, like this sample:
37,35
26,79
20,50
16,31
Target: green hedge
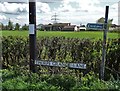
27,81
15,51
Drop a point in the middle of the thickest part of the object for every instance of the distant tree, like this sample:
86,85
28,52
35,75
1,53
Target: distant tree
17,26
2,26
102,19
10,25
25,27
5,27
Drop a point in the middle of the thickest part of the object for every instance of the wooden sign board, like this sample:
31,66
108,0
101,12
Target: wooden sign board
61,64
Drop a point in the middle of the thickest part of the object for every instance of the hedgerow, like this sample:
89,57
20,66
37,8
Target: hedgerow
29,81
15,51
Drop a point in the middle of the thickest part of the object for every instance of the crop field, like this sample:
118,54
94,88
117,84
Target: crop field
81,34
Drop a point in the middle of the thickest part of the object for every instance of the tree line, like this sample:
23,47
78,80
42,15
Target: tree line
11,26
17,26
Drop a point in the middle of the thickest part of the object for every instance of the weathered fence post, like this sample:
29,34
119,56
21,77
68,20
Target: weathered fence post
102,71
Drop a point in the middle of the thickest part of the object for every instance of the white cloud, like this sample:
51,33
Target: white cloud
74,11
13,8
26,1
13,0
83,5
86,11
2,17
43,7
17,8
22,19
113,13
115,6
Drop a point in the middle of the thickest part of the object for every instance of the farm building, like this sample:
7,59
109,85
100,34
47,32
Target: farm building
59,26
70,28
46,27
114,26
55,26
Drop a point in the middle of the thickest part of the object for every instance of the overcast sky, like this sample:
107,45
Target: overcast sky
73,11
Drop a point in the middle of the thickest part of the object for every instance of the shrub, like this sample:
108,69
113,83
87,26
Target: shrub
15,83
57,82
15,51
65,82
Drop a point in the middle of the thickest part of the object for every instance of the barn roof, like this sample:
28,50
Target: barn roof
71,26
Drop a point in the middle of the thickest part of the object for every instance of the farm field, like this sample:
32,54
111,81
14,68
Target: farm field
82,34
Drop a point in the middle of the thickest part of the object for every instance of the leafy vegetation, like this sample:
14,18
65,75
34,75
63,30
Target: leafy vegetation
15,51
102,20
27,81
15,62
10,26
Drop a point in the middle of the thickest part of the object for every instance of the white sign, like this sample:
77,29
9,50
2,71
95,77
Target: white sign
77,65
31,28
60,64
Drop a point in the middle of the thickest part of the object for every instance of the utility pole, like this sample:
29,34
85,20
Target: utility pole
102,71
32,33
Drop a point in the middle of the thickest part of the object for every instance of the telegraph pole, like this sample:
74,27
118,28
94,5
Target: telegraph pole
32,33
102,71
